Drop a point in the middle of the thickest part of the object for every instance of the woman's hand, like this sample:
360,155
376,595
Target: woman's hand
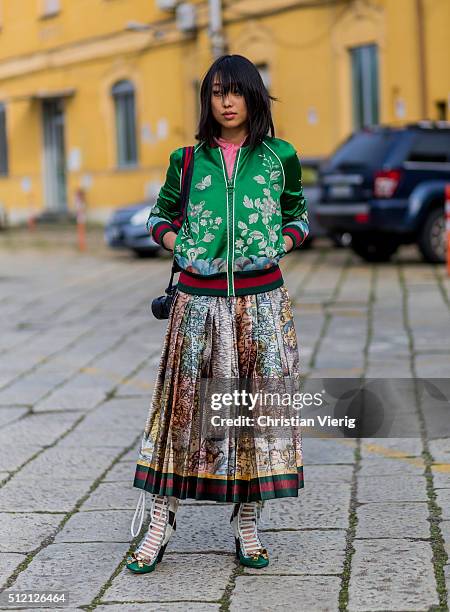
288,243
169,240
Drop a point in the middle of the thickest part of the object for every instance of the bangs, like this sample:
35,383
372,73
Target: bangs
229,80
236,74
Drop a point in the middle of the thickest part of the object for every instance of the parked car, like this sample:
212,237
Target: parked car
386,186
312,191
126,230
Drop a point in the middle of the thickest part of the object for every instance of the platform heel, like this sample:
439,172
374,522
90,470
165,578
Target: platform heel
152,547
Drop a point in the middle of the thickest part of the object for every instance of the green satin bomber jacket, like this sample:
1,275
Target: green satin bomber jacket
231,239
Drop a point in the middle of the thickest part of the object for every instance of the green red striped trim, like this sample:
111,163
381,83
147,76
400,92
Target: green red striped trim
296,235
215,489
254,281
159,230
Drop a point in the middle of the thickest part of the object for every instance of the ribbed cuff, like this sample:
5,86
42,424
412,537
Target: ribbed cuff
159,230
297,235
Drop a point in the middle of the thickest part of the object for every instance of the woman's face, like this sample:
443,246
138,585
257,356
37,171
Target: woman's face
229,111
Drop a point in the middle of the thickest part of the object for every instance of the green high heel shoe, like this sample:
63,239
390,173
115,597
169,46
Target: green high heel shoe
167,507
249,550
257,560
140,567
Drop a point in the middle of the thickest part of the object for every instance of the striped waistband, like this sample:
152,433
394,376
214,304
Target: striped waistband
244,283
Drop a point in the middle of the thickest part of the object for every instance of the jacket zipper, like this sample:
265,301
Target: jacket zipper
229,182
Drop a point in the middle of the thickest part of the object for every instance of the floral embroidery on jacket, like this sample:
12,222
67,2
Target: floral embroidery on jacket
199,228
264,208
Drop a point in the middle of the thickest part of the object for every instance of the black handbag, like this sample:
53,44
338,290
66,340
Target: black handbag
161,305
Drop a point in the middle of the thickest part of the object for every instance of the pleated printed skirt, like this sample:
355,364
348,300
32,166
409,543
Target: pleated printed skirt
216,337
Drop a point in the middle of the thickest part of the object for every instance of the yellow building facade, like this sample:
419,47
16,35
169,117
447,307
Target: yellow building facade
95,94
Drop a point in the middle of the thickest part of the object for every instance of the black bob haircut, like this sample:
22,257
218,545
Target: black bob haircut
236,72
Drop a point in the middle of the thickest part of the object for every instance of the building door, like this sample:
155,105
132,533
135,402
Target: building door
54,155
365,92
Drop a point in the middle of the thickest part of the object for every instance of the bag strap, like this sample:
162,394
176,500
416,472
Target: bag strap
186,173
187,167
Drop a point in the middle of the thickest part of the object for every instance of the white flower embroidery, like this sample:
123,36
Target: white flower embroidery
267,207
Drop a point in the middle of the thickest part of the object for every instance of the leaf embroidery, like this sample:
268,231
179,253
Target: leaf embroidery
199,229
259,179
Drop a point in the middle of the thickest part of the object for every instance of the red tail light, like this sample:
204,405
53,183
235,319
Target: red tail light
386,182
362,217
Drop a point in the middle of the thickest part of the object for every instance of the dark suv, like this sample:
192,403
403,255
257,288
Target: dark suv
386,186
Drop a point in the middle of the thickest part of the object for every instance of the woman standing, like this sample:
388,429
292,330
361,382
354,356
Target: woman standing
231,318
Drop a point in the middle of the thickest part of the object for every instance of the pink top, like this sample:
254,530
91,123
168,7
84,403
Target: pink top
229,150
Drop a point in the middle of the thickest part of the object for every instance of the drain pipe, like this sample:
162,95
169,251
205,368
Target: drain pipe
421,51
216,35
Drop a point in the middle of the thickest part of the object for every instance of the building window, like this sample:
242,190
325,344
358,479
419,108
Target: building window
50,8
264,71
196,87
3,142
124,102
365,91
441,110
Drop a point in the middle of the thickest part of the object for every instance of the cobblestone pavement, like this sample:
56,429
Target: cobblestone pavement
79,351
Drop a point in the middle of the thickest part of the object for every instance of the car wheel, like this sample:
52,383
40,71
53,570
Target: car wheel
432,239
340,239
145,253
374,247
